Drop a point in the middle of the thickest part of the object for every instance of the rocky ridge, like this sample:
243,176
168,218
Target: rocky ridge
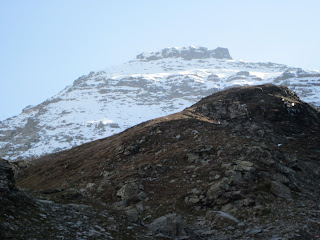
103,103
240,164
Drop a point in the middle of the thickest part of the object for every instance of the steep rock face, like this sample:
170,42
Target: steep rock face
107,102
241,163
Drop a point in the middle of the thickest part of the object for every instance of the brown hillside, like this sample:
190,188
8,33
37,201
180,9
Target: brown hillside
242,159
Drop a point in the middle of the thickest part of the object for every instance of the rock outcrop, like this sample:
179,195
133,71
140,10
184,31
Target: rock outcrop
186,53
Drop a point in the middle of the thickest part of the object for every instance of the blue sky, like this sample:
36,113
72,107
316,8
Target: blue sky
46,45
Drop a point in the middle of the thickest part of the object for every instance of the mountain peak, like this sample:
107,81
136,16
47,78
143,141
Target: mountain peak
187,53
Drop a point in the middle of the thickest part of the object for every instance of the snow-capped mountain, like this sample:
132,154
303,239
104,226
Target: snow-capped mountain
152,85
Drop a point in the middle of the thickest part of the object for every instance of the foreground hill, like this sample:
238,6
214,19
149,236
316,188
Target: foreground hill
150,86
240,164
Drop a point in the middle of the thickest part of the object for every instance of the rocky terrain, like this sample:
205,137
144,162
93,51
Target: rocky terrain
152,85
243,163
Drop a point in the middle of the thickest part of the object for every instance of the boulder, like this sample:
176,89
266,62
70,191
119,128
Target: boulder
131,192
244,166
216,194
221,219
132,215
170,226
132,149
280,190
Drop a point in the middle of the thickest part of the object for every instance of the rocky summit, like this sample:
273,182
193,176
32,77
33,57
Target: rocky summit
186,53
243,163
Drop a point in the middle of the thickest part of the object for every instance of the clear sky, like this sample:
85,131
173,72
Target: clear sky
46,45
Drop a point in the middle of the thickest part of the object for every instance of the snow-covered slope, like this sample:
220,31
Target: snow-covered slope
152,85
